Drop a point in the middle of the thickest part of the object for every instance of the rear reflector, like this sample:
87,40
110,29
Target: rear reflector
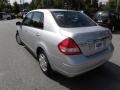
69,47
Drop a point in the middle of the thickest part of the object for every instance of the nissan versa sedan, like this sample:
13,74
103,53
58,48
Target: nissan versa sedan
65,41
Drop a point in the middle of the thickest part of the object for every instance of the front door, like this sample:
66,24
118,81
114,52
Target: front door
34,34
26,27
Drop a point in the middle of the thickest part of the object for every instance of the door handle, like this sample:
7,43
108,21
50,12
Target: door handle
25,30
37,34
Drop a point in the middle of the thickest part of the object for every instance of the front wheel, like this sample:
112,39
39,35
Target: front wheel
18,39
44,64
8,18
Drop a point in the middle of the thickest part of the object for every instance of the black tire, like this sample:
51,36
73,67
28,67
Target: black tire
18,39
8,18
42,58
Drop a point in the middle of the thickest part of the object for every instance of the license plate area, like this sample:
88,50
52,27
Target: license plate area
99,44
94,46
100,21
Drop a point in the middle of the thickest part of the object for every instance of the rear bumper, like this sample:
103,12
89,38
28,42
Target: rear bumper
72,71
78,64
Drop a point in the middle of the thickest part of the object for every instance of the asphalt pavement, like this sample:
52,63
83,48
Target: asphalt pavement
19,69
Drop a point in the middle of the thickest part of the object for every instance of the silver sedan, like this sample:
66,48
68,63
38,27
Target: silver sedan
65,41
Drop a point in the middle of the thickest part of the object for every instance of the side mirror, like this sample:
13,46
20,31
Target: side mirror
18,23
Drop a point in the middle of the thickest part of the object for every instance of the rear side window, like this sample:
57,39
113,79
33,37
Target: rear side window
70,19
27,19
38,20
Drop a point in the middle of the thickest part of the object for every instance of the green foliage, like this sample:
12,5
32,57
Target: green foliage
32,5
26,5
111,5
3,4
16,7
68,4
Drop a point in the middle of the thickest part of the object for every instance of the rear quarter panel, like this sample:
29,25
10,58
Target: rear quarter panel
49,42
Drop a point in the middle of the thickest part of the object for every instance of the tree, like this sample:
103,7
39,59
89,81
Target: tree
118,6
59,3
38,3
26,5
32,5
87,4
16,7
3,4
111,5
67,4
95,3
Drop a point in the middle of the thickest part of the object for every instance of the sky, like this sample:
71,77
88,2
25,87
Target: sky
104,1
11,1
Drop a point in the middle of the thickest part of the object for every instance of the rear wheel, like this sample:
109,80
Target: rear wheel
44,64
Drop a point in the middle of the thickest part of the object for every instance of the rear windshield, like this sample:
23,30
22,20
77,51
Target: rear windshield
69,19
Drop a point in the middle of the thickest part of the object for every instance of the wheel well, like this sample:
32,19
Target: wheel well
39,49
17,32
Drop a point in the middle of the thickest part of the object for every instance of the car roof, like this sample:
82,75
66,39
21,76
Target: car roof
43,10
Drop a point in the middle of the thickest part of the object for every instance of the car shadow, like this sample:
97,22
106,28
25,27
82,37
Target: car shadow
106,77
30,52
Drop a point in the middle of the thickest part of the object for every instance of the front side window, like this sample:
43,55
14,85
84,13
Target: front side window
27,19
71,19
37,20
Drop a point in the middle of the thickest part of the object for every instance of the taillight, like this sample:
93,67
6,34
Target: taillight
69,47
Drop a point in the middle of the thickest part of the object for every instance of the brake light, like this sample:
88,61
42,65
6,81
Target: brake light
69,47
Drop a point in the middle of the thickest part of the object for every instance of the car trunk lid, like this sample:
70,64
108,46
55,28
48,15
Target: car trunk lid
90,40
